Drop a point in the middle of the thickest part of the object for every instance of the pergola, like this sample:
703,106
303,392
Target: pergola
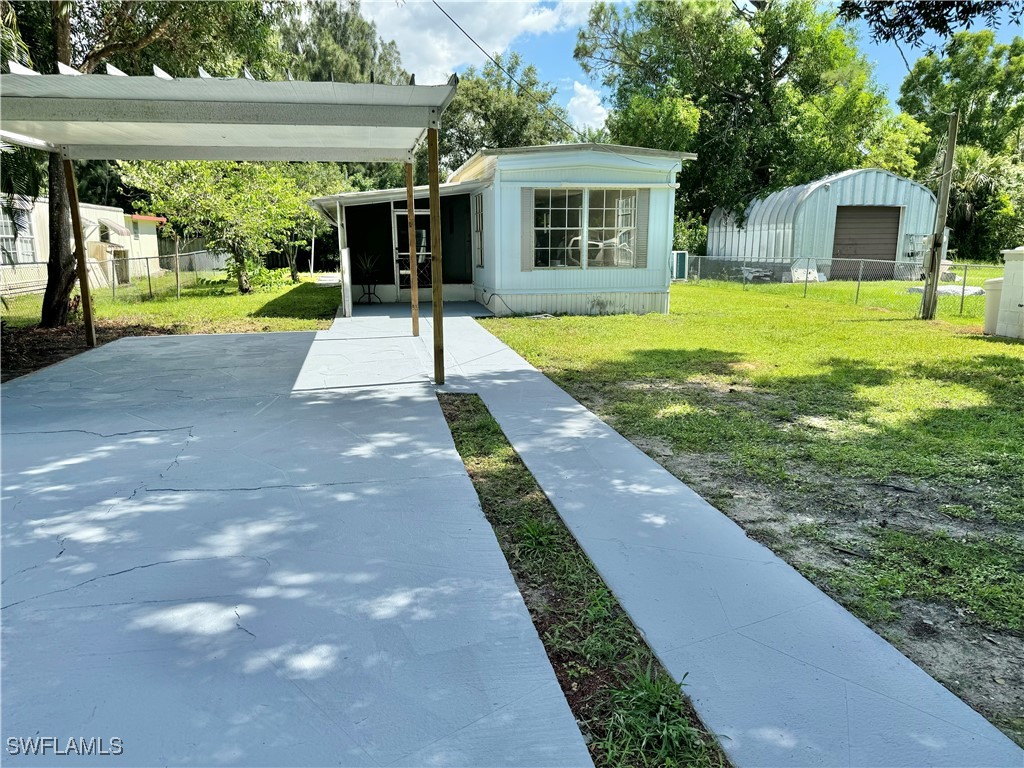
115,116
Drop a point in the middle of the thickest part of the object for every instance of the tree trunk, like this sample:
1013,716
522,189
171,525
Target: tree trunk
243,275
60,268
291,253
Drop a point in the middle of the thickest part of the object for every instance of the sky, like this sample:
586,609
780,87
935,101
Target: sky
544,33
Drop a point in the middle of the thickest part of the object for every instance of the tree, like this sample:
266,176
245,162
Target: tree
768,93
311,180
178,36
330,40
246,209
909,20
493,109
986,203
984,79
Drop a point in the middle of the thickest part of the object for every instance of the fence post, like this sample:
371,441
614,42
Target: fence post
149,278
807,275
113,274
177,271
743,274
963,291
698,268
860,276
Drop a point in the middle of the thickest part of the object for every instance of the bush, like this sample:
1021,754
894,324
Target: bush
690,234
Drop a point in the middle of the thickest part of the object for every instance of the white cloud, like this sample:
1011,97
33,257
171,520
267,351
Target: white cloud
432,47
585,106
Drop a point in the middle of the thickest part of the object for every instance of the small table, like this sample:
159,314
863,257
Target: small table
369,294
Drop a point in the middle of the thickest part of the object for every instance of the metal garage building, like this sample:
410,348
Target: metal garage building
828,226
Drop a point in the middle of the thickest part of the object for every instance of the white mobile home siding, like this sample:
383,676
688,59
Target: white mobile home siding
799,222
587,290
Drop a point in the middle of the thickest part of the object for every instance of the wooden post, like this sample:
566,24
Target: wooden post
177,269
931,283
83,267
436,278
414,278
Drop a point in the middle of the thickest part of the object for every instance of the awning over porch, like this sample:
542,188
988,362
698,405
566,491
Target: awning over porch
329,205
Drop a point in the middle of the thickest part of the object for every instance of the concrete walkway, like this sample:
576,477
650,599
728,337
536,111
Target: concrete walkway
260,550
786,675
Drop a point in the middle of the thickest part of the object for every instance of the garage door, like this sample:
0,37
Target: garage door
866,232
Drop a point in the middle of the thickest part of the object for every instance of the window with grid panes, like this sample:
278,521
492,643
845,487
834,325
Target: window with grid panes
22,249
558,228
611,228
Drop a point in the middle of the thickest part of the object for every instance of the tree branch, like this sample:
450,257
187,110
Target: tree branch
97,55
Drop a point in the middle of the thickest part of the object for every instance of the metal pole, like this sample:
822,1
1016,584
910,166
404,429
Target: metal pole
698,268
963,290
149,278
807,275
860,276
81,263
931,285
312,256
436,278
744,274
113,274
414,278
177,270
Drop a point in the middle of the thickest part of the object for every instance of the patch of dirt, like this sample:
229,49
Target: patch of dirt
24,350
982,666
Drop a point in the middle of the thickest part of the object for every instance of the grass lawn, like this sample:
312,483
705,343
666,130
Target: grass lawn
891,295
879,454
211,307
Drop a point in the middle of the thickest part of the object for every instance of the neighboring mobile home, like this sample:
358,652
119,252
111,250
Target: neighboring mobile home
117,243
575,228
827,227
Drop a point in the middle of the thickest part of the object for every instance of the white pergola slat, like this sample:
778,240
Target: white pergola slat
115,116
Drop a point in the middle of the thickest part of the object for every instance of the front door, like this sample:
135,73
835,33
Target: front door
401,240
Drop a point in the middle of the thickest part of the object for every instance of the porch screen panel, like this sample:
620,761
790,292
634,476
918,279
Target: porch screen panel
643,215
526,228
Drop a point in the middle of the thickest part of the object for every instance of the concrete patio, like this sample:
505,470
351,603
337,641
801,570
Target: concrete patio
265,550
208,559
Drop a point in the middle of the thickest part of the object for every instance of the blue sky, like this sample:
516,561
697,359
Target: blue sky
544,33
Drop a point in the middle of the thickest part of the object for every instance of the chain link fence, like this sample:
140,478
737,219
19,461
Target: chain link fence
123,278
896,286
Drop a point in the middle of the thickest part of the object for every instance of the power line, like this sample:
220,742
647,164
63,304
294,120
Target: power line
542,105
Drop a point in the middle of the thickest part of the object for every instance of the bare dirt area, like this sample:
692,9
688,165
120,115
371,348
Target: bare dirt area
824,527
24,350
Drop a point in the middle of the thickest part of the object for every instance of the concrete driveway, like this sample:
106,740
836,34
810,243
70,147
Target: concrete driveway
230,550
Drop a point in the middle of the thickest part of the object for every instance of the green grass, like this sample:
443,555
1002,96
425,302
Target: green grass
213,306
632,711
888,295
791,392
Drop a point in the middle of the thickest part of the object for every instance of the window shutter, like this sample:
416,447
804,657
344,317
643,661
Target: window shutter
643,208
526,236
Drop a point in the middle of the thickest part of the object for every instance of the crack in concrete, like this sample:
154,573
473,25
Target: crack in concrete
134,568
101,434
368,481
238,624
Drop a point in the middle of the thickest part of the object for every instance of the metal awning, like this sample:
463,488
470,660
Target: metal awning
113,226
328,205
127,118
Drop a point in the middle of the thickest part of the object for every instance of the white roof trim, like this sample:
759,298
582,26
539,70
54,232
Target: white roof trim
104,117
327,205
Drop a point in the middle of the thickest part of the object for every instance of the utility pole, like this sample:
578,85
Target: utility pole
931,284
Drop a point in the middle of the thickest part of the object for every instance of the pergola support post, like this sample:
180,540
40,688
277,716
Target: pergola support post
82,265
414,278
436,278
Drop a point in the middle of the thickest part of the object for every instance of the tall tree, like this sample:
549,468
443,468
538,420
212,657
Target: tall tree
494,109
178,36
981,77
768,93
331,40
909,20
246,209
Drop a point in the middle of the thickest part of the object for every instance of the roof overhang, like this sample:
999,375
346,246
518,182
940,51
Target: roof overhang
118,117
328,205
